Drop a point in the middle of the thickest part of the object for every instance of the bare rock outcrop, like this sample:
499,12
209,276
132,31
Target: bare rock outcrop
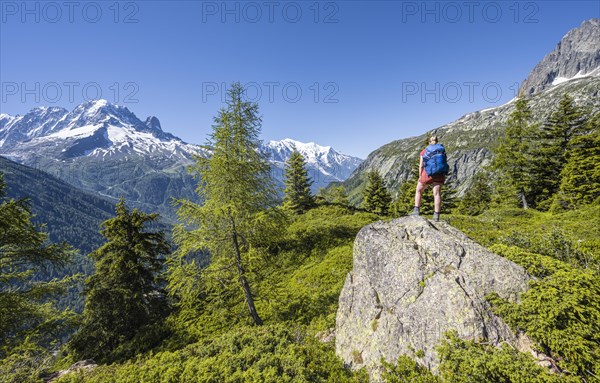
413,280
577,54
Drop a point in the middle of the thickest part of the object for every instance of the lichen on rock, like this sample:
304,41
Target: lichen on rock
413,280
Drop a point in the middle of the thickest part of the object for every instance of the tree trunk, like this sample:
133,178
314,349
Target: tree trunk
243,281
523,200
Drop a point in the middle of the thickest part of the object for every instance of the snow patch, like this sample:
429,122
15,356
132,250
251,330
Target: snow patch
560,80
80,132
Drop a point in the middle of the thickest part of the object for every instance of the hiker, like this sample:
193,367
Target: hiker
433,168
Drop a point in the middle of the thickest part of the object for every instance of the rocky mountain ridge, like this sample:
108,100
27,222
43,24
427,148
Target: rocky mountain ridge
105,148
576,55
93,129
469,140
324,164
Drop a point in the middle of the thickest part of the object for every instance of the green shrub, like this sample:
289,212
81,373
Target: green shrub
311,292
407,370
562,314
266,354
468,362
535,264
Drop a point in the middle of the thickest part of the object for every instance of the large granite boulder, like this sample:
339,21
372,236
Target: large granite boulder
413,280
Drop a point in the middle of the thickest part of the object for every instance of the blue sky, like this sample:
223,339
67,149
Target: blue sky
351,74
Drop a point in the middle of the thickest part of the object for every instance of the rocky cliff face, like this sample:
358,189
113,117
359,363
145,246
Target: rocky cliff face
573,68
468,140
413,280
577,54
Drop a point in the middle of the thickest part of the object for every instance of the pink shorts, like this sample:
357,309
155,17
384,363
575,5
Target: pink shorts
438,179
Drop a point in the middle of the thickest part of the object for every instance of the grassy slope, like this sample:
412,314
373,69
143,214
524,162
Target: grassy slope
299,299
502,225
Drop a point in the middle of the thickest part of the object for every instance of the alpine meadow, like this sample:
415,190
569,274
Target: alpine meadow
130,255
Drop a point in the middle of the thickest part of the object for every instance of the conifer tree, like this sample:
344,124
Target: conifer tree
27,315
234,222
405,201
298,197
450,201
334,194
580,178
477,198
565,123
513,160
376,198
125,294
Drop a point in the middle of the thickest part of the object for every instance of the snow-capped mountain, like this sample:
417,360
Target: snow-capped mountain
323,163
107,149
93,129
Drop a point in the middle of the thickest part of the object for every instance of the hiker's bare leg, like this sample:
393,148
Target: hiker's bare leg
420,188
437,199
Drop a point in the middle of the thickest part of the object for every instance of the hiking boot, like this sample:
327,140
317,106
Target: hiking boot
415,211
436,217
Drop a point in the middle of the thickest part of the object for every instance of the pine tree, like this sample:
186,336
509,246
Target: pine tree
298,197
125,294
450,201
405,202
234,222
27,314
335,195
580,178
513,160
376,198
477,198
565,123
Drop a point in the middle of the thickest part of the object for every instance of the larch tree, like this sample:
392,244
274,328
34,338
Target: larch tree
234,222
25,252
30,321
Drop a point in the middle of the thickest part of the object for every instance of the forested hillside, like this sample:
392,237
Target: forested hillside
70,214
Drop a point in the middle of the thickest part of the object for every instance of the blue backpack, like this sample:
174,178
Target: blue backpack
435,160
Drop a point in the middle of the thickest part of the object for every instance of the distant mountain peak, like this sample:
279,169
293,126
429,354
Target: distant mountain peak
324,163
101,132
95,106
153,123
577,55
102,109
47,109
302,147
93,128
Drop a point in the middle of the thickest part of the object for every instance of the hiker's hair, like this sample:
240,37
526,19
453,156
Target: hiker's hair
434,139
